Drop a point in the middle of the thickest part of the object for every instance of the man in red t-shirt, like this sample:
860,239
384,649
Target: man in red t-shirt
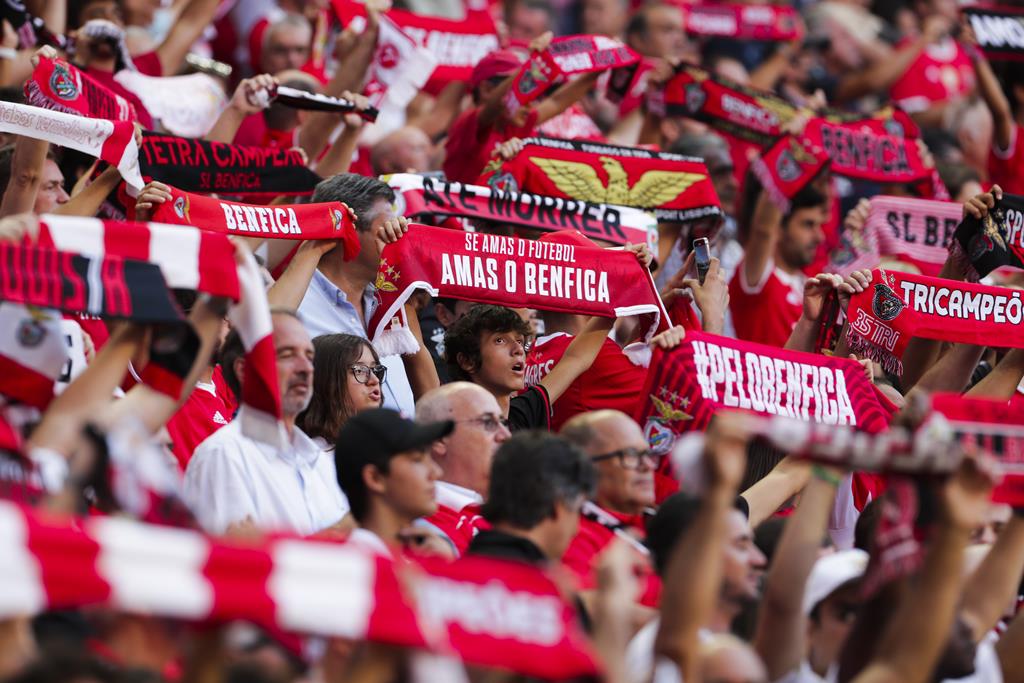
474,135
625,493
464,456
766,293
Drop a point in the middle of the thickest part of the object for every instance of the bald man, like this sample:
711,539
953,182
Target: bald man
407,150
464,455
625,492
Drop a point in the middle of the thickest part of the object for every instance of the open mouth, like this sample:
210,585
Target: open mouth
519,368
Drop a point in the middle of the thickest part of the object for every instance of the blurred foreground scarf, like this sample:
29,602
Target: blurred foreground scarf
899,306
59,85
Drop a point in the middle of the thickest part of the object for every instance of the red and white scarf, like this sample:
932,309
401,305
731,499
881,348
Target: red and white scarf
32,353
899,306
422,196
188,258
400,66
457,45
707,373
507,271
787,167
59,85
915,231
185,105
111,141
744,22
323,221
490,613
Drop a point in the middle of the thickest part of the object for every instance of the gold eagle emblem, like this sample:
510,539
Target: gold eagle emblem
666,412
580,181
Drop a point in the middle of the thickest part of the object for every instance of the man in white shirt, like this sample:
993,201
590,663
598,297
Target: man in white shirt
232,479
385,469
465,455
341,296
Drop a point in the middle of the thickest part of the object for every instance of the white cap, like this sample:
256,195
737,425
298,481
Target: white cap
830,573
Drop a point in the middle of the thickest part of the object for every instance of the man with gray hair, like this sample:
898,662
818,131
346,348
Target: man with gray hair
464,455
286,44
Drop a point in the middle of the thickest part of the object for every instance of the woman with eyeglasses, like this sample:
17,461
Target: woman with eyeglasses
347,379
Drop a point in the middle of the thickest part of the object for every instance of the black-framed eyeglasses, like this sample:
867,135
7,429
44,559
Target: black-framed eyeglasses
362,372
630,458
490,423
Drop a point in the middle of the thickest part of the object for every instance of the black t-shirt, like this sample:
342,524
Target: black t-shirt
433,338
530,409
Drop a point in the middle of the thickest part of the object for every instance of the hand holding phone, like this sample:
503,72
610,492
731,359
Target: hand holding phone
702,257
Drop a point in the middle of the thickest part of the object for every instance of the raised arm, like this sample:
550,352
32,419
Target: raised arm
990,90
765,225
578,357
26,175
186,29
995,583
566,96
785,480
87,202
1002,382
252,95
781,628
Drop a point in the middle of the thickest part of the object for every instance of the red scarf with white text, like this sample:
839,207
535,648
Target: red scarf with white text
59,85
508,271
744,22
899,306
787,167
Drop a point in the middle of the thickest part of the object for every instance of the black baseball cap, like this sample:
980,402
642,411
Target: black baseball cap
384,432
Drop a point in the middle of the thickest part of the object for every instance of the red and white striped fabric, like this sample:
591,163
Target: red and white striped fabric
491,613
32,353
261,397
188,257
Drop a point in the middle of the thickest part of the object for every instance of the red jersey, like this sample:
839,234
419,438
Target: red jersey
470,146
208,408
1006,167
598,527
767,312
458,514
612,381
941,72
148,64
254,132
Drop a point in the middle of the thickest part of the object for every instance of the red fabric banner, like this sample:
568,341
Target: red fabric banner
676,187
456,44
787,167
706,373
59,85
324,221
744,22
899,306
859,150
491,613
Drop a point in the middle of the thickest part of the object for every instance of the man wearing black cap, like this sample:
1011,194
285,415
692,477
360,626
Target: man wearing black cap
385,469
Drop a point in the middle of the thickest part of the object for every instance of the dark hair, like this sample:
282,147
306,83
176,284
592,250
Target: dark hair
329,408
463,338
955,176
232,350
544,5
670,523
531,472
806,198
349,463
358,191
66,664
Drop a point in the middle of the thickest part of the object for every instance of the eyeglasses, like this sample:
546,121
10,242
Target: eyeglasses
362,372
630,458
490,423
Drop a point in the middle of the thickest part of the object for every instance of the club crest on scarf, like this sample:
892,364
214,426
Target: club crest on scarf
657,429
580,180
787,167
31,331
181,208
502,182
695,97
885,304
387,276
62,83
990,235
337,219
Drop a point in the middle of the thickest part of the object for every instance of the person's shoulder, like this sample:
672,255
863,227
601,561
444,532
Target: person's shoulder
226,442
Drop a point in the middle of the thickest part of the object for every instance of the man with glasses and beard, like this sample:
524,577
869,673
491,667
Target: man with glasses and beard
624,495
234,480
465,455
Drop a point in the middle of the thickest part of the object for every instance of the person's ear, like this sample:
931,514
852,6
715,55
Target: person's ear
443,315
374,479
465,364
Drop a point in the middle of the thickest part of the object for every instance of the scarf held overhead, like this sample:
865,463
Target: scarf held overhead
914,231
995,241
323,221
744,22
491,613
185,105
999,30
899,306
508,271
201,166
707,373
111,141
676,187
61,86
418,195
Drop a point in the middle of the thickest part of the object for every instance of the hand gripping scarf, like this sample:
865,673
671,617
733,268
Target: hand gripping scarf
206,167
998,30
188,258
676,187
565,56
915,231
507,271
59,85
324,221
898,306
490,613
744,22
995,241
31,29
787,167
111,141
707,373
310,101
185,105
456,44
756,115
418,196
